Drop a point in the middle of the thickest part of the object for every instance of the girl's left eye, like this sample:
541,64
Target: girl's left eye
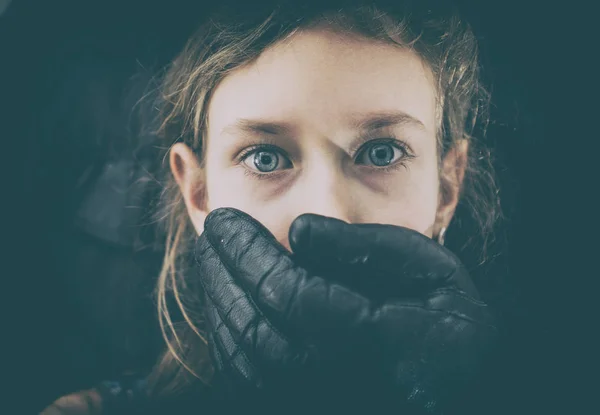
381,154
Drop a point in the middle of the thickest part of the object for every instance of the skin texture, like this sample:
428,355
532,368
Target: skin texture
316,88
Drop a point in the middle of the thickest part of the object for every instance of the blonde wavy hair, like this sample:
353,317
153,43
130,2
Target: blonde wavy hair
233,38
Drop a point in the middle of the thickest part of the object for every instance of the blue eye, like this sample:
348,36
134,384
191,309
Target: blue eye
380,154
265,160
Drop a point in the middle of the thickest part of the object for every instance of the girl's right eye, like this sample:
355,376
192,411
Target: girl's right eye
262,160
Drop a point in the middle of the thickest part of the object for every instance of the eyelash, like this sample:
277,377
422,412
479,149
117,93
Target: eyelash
401,163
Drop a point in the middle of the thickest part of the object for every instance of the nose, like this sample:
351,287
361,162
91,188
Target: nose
329,194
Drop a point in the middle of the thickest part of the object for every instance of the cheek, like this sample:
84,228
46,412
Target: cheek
234,190
413,206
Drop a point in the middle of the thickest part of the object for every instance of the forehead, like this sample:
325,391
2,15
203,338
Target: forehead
319,78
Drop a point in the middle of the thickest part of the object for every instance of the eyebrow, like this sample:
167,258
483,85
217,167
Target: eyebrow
378,120
258,127
364,123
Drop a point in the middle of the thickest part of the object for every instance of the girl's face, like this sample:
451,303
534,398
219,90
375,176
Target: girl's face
324,124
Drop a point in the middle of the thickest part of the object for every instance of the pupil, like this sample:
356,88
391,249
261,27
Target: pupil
265,161
381,154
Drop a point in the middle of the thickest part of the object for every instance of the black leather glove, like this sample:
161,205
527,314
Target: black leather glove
359,314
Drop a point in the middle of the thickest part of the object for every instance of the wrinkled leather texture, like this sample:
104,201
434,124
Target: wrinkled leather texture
358,314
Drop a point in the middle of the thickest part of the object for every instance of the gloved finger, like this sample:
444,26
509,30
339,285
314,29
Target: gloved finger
231,308
449,313
299,304
230,356
396,259
215,354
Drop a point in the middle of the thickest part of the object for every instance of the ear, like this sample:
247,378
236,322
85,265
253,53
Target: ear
188,174
451,180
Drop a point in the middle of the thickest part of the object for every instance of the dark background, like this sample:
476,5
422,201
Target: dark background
71,71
